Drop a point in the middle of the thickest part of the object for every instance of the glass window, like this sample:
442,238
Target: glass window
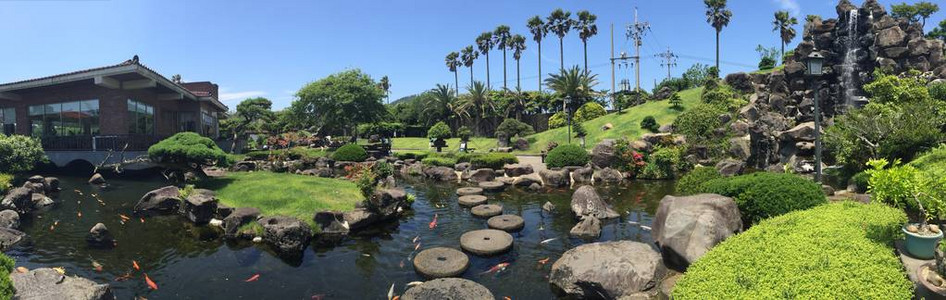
90,117
8,119
65,119
71,124
140,118
209,123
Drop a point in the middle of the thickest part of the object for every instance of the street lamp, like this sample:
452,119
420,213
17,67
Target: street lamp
814,63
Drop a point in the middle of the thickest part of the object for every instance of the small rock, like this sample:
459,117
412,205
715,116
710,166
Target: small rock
163,200
585,201
934,228
913,228
99,235
483,175
548,206
216,223
97,179
9,219
258,239
290,236
535,187
934,278
588,229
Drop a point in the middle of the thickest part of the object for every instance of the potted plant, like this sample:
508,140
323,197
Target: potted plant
906,185
931,275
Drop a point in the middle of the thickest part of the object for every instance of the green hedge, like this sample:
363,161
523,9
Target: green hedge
567,155
439,161
764,195
350,152
693,182
492,160
188,147
411,155
834,251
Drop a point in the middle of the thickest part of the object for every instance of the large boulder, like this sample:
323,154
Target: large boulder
482,175
10,237
663,93
514,170
52,184
588,228
359,218
19,199
730,167
739,81
586,202
163,200
441,174
801,132
36,184
583,175
41,201
200,206
46,283
610,270
890,37
527,180
9,219
385,202
244,166
602,155
687,227
608,175
555,178
288,235
239,217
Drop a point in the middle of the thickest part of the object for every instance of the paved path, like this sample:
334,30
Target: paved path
534,160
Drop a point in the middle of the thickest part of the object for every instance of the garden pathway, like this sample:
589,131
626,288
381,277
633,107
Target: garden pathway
534,160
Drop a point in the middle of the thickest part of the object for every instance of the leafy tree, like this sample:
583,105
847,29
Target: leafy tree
938,32
767,57
586,28
464,133
19,153
439,131
187,152
698,124
921,10
538,29
468,55
485,43
512,127
783,25
559,23
251,115
925,10
718,16
385,85
338,102
574,84
697,74
676,102
517,44
502,39
453,62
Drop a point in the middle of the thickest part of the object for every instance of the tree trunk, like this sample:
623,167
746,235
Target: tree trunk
561,52
717,54
540,65
585,43
782,59
518,77
488,86
504,69
471,77
456,82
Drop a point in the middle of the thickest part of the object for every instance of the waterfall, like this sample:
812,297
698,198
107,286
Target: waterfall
850,60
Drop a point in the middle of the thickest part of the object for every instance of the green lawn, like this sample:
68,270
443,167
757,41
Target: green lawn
284,194
481,144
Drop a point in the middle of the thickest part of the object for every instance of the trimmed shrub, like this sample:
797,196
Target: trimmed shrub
439,161
19,153
350,152
411,155
512,127
6,182
188,148
698,123
835,251
649,123
566,155
693,183
439,131
764,195
589,111
557,120
293,153
493,160
464,133
933,161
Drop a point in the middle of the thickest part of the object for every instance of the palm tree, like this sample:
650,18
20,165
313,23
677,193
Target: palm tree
453,62
517,44
783,24
538,30
573,84
718,16
501,37
468,55
438,105
586,28
518,104
560,22
485,43
385,86
479,103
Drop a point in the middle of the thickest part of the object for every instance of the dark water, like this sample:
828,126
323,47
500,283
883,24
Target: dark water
189,262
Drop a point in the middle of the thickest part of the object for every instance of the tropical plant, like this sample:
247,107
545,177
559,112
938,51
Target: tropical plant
573,84
559,23
438,104
484,44
502,39
453,63
718,16
338,103
767,57
783,25
468,55
538,29
586,28
517,44
477,103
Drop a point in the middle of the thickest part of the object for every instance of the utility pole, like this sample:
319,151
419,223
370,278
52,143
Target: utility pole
636,32
614,102
670,60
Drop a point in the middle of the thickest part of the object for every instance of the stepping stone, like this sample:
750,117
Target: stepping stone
449,288
472,200
486,242
508,223
441,262
487,210
469,191
492,186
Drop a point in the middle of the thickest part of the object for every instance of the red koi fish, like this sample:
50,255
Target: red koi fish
543,261
142,220
135,264
497,268
252,278
434,222
151,284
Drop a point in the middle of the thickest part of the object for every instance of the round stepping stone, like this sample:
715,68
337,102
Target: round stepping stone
469,191
472,200
441,262
492,186
486,242
449,288
487,210
508,223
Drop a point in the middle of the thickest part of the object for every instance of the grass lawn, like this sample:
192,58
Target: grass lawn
481,144
284,194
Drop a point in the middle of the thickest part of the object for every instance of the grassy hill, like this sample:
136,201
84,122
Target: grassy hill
626,123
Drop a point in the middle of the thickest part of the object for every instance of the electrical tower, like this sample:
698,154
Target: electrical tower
636,33
669,60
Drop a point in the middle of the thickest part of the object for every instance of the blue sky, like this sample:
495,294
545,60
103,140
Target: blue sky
272,48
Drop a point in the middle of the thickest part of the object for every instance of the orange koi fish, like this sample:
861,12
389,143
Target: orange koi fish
497,268
151,284
135,264
142,220
434,222
53,227
124,217
507,298
252,278
543,261
416,246
96,266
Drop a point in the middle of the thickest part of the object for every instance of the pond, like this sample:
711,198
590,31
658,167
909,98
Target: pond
190,262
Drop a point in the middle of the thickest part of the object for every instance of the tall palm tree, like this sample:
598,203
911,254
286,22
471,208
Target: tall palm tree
718,16
385,86
453,63
485,43
438,105
586,28
559,23
517,44
501,38
783,25
538,30
573,84
467,56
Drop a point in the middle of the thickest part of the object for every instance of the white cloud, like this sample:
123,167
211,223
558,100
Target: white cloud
791,6
239,96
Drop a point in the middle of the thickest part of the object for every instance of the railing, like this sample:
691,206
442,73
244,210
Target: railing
134,142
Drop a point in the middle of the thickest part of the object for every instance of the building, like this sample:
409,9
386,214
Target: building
124,107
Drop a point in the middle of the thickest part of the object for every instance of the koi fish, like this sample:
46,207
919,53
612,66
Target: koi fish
78,214
401,265
318,297
142,220
633,223
645,227
135,264
416,246
123,277
78,192
53,227
22,270
548,241
507,298
252,278
396,298
496,268
543,261
94,195
96,266
416,238
414,283
151,284
433,223
124,217
391,292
